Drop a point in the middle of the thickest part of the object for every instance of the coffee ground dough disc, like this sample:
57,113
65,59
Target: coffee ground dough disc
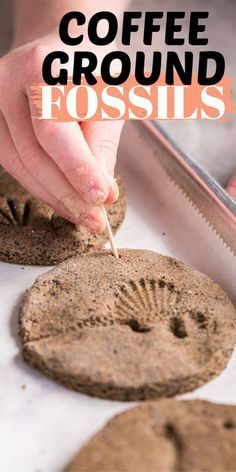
139,327
32,233
164,436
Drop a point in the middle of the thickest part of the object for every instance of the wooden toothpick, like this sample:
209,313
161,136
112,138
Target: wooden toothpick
110,235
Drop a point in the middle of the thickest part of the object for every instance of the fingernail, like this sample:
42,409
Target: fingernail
115,189
96,196
92,224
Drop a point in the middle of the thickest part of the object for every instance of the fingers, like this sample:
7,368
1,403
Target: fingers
54,161
86,158
103,139
46,172
231,187
66,145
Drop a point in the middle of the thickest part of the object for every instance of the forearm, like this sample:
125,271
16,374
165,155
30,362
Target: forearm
34,19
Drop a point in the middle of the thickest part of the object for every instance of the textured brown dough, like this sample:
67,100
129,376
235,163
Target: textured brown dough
32,233
164,436
140,327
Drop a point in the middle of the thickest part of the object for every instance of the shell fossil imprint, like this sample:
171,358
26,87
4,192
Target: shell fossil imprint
145,303
31,232
14,212
21,211
140,328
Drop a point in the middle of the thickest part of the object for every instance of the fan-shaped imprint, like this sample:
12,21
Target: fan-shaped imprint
139,327
32,233
146,299
144,303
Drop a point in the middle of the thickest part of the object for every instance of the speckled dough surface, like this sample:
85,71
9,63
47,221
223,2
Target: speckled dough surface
164,436
140,327
31,233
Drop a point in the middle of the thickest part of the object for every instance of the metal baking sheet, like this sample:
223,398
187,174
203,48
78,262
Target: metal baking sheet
205,193
42,424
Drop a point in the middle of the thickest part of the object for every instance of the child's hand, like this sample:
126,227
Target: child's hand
67,165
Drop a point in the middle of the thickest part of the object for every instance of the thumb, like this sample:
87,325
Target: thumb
103,138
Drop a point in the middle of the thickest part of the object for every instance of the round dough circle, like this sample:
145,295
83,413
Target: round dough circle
140,327
167,435
32,233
